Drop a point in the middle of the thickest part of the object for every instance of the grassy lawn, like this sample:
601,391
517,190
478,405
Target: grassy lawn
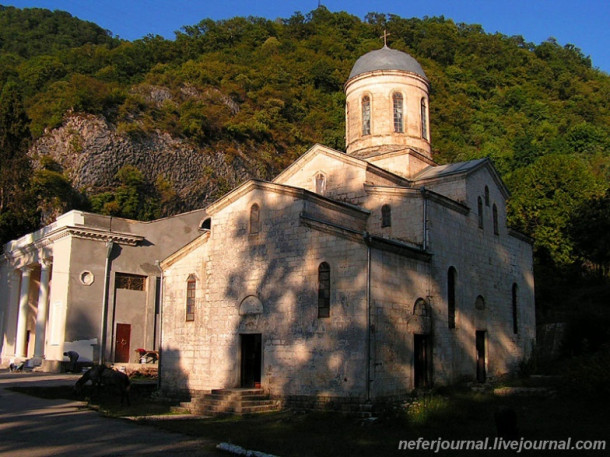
458,414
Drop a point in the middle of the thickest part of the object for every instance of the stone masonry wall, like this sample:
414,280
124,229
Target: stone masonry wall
302,354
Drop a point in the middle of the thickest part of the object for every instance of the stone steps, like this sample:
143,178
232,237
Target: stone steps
232,401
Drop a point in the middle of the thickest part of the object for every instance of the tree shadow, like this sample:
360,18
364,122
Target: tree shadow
365,350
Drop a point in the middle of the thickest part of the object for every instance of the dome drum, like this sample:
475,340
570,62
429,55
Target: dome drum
396,100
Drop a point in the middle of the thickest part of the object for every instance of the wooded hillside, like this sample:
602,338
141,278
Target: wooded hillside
263,92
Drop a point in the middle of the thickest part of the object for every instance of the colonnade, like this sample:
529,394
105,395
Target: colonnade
25,275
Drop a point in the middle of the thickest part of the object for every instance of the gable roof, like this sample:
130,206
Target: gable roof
317,149
297,192
461,168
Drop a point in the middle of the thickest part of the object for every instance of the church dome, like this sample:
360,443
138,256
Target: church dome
386,59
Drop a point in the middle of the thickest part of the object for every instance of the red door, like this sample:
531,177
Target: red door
121,347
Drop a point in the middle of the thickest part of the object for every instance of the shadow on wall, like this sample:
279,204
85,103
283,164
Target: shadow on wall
175,381
356,352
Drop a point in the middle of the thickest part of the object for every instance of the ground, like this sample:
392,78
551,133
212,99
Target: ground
459,413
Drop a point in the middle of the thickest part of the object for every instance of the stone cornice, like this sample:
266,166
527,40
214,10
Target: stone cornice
414,193
185,250
90,233
520,235
375,242
35,248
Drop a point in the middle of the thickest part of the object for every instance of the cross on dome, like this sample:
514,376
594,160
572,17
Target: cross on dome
385,38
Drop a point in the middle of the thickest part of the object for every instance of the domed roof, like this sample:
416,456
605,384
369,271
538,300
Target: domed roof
386,59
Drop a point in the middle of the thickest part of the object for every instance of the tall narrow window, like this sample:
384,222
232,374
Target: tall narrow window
480,210
324,290
486,196
366,115
398,112
320,184
386,216
495,217
424,120
191,286
451,280
255,219
514,308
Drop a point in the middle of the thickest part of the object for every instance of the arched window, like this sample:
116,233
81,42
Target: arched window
479,303
366,115
495,217
206,224
324,290
320,184
514,308
255,219
424,120
397,105
191,286
486,196
386,216
451,283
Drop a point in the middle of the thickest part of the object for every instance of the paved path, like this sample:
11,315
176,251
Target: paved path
35,427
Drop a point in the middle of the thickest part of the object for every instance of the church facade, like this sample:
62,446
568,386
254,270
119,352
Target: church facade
356,275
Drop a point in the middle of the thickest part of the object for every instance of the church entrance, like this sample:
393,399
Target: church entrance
251,359
420,361
480,345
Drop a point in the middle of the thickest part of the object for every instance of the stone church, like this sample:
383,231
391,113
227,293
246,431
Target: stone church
356,275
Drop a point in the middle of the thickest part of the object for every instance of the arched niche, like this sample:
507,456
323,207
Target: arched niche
420,322
251,305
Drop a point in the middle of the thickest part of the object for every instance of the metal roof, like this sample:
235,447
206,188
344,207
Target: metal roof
386,59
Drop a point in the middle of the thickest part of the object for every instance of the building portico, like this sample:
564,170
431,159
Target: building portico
72,284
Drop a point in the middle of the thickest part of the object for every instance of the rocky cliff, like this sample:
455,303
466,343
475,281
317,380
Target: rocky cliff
90,151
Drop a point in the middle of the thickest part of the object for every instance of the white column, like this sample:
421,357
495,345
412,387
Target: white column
23,312
41,315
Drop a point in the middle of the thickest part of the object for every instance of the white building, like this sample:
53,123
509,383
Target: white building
85,282
354,276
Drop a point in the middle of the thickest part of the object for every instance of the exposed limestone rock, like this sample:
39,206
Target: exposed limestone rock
91,151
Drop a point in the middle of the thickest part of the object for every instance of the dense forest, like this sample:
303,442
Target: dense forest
269,89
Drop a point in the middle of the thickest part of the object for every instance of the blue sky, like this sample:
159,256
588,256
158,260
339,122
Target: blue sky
584,23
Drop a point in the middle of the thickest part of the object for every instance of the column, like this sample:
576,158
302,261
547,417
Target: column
23,312
41,315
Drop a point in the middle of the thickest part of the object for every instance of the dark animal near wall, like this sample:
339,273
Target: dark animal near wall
102,376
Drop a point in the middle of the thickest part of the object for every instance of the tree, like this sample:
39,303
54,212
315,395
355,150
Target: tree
590,232
545,196
131,199
14,164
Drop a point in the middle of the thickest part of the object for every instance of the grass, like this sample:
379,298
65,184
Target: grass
456,413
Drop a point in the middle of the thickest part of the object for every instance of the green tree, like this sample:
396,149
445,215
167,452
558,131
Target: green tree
590,232
131,199
545,196
15,215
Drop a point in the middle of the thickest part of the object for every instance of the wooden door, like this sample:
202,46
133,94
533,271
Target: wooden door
121,347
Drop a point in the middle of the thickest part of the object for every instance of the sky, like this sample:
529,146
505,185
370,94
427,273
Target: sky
583,23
